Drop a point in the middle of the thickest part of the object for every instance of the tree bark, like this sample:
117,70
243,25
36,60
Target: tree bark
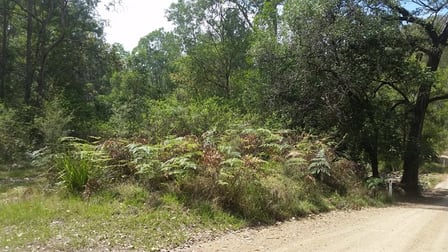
438,41
29,73
372,152
411,157
4,50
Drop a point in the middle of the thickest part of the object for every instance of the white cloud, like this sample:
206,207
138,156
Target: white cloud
134,19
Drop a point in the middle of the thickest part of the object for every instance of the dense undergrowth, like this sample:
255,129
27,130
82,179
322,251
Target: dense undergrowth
160,191
257,174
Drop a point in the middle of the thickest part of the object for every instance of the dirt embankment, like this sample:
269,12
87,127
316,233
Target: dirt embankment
421,225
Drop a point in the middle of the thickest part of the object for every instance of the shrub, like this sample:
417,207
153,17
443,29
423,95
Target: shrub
119,166
12,134
375,185
258,174
124,120
181,118
53,124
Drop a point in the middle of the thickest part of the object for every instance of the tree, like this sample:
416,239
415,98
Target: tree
215,37
155,57
431,20
329,74
4,50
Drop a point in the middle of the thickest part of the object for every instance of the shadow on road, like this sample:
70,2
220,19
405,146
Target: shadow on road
436,199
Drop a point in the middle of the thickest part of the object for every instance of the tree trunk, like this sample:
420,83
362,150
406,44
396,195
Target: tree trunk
4,50
29,73
411,157
370,146
41,78
373,156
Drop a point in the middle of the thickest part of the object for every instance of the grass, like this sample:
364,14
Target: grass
121,217
55,223
17,175
128,216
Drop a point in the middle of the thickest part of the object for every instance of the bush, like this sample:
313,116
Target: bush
181,118
12,145
53,124
258,174
319,166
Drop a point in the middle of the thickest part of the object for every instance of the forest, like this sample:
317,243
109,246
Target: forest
236,85
247,112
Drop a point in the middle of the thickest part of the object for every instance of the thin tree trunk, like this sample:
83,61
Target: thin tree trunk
41,77
373,156
45,47
4,50
29,75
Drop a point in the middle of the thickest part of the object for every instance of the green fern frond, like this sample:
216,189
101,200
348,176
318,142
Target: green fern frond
233,162
319,165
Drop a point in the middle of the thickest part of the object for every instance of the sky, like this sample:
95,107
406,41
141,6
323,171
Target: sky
133,20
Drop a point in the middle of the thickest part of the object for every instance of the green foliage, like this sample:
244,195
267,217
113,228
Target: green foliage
171,160
376,185
53,124
174,116
431,167
128,102
12,144
154,58
215,35
186,108
258,174
73,172
80,165
319,165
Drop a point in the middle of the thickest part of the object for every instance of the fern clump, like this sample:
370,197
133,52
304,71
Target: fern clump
319,165
261,175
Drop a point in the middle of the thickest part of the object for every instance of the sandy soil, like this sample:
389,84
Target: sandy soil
421,225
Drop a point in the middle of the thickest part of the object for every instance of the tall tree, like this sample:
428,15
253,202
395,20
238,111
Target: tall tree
51,25
335,73
215,36
155,57
29,72
432,21
4,53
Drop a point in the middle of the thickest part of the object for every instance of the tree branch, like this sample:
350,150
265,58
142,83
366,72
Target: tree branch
398,103
245,14
392,85
438,98
408,17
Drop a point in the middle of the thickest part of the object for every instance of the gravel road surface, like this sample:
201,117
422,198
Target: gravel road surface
421,225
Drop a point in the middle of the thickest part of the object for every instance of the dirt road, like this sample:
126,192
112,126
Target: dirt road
417,226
